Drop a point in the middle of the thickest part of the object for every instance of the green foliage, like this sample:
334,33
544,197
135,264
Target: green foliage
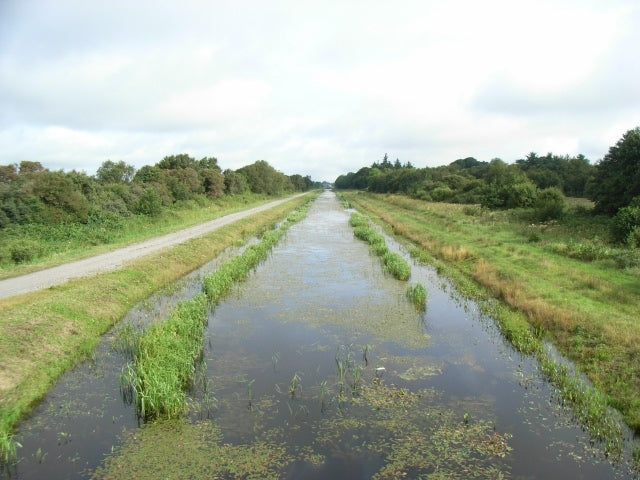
235,183
115,172
617,178
149,203
263,178
625,224
418,295
393,263
549,205
164,360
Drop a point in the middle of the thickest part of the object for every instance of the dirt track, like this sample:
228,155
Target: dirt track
112,260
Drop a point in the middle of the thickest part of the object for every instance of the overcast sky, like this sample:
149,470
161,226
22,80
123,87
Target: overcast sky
316,88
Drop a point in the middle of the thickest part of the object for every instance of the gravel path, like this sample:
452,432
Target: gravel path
112,260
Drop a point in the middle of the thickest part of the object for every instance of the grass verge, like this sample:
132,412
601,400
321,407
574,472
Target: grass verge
27,248
44,333
589,310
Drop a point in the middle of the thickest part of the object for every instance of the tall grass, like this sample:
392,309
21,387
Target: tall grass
164,364
418,295
393,263
165,354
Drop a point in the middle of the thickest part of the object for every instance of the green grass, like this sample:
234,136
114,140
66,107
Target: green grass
418,295
44,333
588,307
164,364
393,263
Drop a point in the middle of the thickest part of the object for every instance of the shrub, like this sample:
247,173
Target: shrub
149,203
549,205
25,251
623,225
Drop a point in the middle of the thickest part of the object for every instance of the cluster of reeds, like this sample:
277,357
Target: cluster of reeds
418,295
164,355
8,449
393,262
164,364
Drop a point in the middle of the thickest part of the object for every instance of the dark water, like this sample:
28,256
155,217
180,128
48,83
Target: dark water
271,363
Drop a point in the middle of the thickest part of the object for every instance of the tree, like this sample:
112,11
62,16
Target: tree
173,162
213,182
209,163
115,172
617,177
235,182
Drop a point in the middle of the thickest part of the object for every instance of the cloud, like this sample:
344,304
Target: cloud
317,89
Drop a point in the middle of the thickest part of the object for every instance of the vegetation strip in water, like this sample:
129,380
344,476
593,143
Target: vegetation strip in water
393,262
44,333
163,364
590,405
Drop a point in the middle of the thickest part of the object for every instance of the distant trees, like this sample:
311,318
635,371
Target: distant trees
263,178
30,193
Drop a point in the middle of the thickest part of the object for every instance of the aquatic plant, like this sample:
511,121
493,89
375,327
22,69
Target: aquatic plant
126,340
294,384
250,393
8,449
393,262
396,265
418,295
324,393
164,365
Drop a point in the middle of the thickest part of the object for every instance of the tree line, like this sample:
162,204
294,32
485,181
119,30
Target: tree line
539,183
30,193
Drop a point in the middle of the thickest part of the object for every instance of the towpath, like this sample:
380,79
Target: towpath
116,258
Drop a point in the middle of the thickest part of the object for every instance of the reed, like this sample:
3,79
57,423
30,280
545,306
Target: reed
418,295
295,384
396,265
393,262
8,449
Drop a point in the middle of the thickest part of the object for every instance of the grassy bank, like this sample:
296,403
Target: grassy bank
27,248
588,305
44,333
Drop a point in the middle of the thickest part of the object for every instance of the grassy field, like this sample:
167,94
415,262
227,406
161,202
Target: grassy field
44,333
27,248
572,287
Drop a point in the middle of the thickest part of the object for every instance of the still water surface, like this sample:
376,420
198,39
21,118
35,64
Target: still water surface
323,350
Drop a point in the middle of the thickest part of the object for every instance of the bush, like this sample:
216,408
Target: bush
149,203
25,251
549,205
624,225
